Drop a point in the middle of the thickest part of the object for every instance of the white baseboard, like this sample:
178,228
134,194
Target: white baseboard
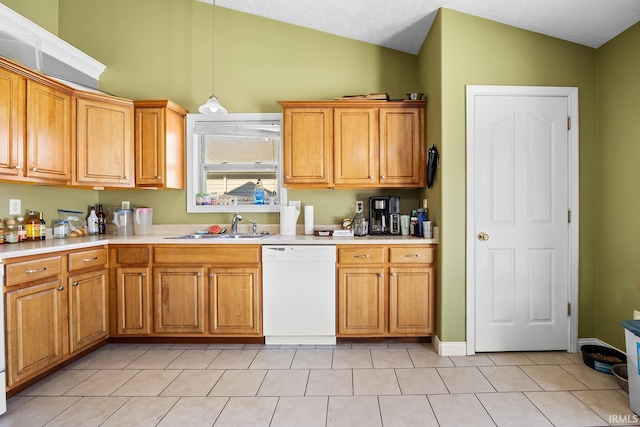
449,348
595,341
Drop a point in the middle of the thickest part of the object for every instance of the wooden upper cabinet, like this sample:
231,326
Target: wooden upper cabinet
402,147
104,141
160,144
48,124
307,147
12,115
354,144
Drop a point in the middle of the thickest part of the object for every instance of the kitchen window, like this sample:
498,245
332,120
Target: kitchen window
226,155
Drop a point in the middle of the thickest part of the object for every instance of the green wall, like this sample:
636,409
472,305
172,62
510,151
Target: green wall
618,227
162,49
42,12
476,51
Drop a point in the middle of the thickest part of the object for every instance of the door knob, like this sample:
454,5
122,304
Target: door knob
483,236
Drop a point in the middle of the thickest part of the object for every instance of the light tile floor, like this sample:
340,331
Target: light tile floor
390,384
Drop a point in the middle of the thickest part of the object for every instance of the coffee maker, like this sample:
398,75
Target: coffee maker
384,215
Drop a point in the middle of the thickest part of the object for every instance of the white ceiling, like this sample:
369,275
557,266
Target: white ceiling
403,24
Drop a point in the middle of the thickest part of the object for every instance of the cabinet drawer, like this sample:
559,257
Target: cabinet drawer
412,255
207,254
28,271
96,258
132,255
363,254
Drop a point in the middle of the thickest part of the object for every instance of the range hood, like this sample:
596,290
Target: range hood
23,41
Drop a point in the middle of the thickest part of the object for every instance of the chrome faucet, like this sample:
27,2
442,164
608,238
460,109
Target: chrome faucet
234,223
254,227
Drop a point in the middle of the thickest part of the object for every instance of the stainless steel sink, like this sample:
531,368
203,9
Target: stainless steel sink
222,236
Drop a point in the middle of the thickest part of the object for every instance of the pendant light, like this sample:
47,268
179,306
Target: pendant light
212,106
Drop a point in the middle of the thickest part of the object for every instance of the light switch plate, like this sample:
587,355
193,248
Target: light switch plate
15,206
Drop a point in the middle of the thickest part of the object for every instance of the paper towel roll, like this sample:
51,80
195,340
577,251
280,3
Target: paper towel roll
308,219
288,219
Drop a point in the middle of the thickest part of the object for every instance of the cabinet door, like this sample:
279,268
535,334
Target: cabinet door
178,299
133,315
361,301
35,329
48,133
355,144
160,144
12,113
402,150
307,147
88,309
411,300
234,301
104,143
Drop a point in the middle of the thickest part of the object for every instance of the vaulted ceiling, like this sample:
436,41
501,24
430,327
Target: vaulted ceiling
403,24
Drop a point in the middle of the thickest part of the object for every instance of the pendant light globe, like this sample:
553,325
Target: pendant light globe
212,106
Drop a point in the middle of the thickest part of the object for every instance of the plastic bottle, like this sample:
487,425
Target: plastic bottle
32,226
92,221
258,193
102,220
421,219
43,227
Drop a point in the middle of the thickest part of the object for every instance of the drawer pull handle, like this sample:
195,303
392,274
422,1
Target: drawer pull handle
89,259
412,255
76,283
61,288
36,270
362,256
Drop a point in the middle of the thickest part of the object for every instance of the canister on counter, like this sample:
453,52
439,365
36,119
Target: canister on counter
61,229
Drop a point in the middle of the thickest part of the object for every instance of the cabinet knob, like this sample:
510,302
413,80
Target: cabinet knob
383,177
380,275
18,167
34,169
211,274
143,274
126,178
158,177
370,176
393,275
287,177
76,283
61,288
198,274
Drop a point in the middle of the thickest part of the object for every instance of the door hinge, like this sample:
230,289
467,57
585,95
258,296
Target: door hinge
569,216
569,123
569,309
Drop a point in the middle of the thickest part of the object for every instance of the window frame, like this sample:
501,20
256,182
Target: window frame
194,177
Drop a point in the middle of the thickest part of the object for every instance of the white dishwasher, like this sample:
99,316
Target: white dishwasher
299,294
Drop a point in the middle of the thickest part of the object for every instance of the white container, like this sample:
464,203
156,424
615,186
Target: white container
632,341
308,219
288,219
123,219
143,220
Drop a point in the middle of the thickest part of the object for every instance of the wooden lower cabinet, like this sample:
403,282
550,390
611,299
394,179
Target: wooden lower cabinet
386,290
88,308
361,300
35,329
133,301
234,300
192,291
53,312
178,294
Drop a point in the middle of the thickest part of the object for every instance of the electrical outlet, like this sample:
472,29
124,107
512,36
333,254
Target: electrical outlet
636,314
15,206
359,206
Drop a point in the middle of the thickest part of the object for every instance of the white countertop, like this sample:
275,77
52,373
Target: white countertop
162,235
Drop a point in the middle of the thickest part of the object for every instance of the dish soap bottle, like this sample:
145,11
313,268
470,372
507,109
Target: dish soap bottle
258,193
